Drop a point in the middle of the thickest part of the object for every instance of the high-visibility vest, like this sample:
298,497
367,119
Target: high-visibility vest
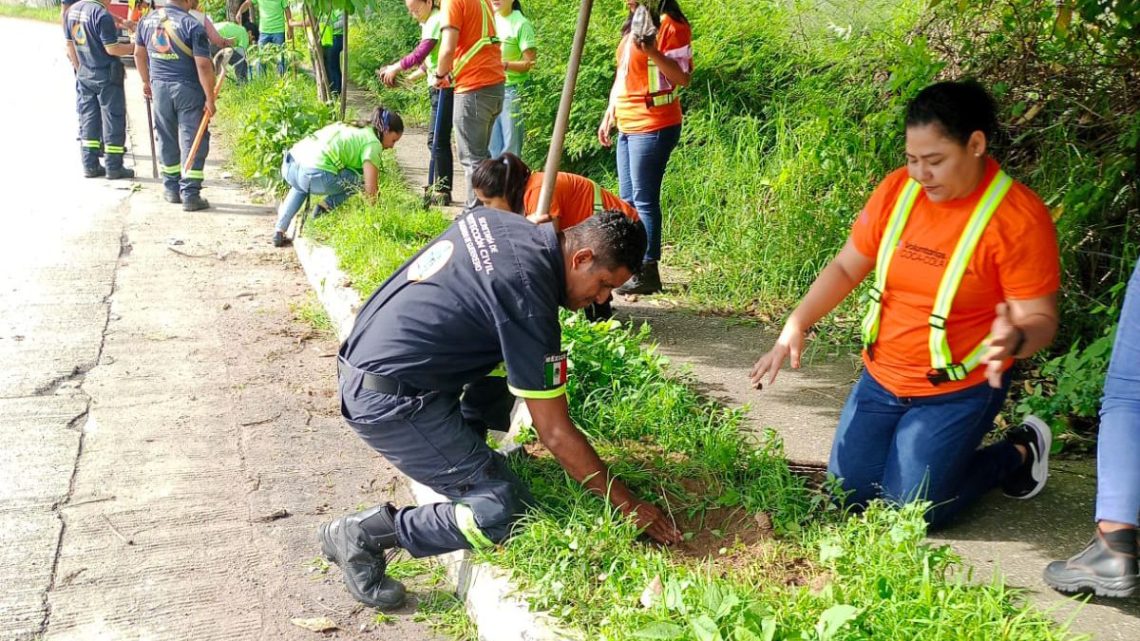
943,368
598,204
485,39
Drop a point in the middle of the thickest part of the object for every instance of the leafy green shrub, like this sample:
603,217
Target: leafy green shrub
379,40
279,113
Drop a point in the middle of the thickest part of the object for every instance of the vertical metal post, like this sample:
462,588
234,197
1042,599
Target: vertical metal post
554,156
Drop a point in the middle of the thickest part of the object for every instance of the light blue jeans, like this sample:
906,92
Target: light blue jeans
507,135
1118,446
272,39
641,163
309,180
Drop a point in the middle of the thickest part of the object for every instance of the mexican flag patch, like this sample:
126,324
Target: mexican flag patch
555,370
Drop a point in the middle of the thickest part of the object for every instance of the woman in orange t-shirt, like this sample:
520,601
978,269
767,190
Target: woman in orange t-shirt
644,106
933,382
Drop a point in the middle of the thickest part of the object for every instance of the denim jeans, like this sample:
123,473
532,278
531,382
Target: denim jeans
641,162
442,168
1118,445
475,113
332,63
432,439
310,180
507,135
273,39
906,449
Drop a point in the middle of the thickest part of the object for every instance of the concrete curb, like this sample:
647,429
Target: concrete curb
496,606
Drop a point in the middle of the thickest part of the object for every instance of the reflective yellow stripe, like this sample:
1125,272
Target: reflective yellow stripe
195,174
940,355
112,149
91,144
598,203
465,519
895,224
500,371
172,170
485,39
526,393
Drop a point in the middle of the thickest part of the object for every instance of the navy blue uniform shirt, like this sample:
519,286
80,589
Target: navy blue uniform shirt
91,27
484,293
173,38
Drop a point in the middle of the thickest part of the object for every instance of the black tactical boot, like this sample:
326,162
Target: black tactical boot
195,203
280,239
1107,567
647,282
121,172
172,196
94,172
357,544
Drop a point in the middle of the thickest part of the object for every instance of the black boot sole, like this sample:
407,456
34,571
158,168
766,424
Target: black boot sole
1117,587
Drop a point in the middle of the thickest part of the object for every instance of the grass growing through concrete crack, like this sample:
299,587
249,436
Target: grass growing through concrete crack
312,313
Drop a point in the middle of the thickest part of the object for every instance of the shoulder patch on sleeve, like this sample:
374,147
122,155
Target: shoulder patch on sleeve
431,261
554,371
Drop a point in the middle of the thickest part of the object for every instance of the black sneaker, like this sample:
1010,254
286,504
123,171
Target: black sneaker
281,240
172,196
1028,480
1106,567
94,172
121,172
195,203
647,282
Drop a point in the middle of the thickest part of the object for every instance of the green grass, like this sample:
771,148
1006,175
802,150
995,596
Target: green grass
44,14
312,313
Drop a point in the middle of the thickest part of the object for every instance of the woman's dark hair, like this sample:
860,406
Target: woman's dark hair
959,108
383,121
664,7
506,177
517,6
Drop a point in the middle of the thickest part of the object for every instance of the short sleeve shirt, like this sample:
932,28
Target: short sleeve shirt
91,28
573,200
484,293
431,30
338,147
235,32
516,35
1017,258
173,38
640,78
271,15
474,19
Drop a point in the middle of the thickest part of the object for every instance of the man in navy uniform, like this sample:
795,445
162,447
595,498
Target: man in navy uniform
481,298
173,59
93,40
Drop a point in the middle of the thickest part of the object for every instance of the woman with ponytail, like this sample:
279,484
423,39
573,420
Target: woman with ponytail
332,162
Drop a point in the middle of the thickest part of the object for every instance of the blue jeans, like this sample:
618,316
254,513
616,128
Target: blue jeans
641,161
905,449
1118,446
272,39
507,135
332,63
434,439
442,164
310,180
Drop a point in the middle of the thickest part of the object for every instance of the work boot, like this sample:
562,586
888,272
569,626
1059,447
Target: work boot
1106,567
1028,480
357,544
121,172
194,203
94,172
280,239
172,196
647,282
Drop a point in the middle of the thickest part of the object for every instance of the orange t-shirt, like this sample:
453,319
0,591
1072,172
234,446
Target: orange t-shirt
1016,258
573,199
675,40
485,68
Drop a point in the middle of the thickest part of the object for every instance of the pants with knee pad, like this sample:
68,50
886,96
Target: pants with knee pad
429,438
101,105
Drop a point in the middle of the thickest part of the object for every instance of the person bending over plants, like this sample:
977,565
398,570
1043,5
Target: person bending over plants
966,271
331,163
446,342
1107,566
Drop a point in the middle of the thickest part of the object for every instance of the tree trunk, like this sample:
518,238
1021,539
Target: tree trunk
231,10
320,74
344,66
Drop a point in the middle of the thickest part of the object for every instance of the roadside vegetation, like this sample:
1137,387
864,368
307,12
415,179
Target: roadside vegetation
43,14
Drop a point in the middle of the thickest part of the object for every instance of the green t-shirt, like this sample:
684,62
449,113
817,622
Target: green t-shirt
338,147
333,26
236,32
516,35
432,29
271,15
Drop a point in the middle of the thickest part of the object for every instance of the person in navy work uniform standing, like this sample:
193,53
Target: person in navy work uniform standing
172,55
482,296
99,97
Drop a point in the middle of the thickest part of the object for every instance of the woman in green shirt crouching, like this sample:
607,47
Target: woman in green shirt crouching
331,162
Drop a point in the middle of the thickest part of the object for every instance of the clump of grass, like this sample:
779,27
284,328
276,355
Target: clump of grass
312,313
44,14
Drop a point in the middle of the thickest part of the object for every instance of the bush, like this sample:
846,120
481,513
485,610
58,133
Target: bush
271,115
